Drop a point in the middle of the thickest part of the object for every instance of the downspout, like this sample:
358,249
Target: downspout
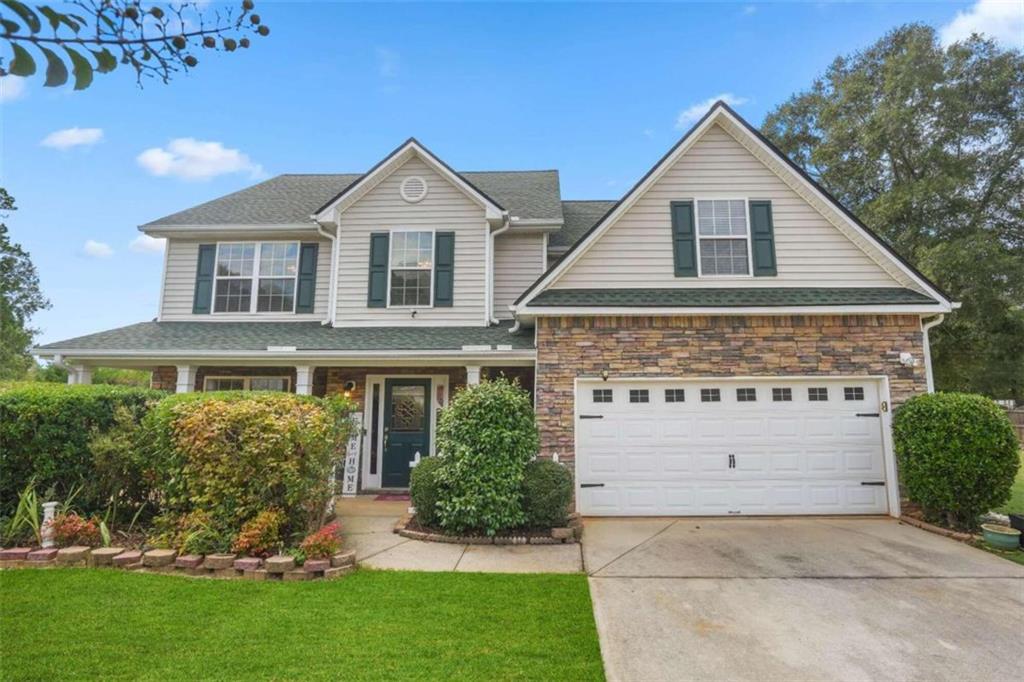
333,279
489,285
925,326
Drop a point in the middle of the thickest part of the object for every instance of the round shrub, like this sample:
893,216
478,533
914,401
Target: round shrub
957,453
423,490
547,492
485,436
261,535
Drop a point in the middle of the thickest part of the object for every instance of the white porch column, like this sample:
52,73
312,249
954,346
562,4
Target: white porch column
186,379
79,374
472,375
303,380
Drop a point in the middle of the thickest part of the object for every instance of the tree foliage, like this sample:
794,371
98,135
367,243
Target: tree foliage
20,299
926,145
95,36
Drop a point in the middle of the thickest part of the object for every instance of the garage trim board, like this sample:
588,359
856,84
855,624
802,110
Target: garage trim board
729,446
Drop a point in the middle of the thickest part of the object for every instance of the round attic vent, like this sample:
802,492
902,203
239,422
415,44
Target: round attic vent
413,189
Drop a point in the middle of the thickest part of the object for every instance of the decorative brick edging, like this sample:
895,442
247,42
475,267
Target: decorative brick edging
938,530
557,536
167,561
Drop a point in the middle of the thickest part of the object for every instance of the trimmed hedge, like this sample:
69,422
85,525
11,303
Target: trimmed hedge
547,493
958,455
45,431
485,436
424,490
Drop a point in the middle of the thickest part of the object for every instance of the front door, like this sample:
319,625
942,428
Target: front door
406,428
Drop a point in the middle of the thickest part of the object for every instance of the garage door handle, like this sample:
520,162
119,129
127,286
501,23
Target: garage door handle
868,414
591,416
872,482
591,485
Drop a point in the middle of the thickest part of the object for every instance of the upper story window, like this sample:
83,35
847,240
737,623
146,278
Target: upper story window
269,269
723,237
412,269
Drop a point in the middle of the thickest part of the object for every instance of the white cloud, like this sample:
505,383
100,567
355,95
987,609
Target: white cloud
748,10
146,244
692,113
72,137
11,88
97,249
191,159
388,62
1001,20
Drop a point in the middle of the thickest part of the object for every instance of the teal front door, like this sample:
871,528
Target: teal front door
406,428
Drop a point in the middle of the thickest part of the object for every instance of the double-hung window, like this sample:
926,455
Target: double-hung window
411,266
723,237
266,269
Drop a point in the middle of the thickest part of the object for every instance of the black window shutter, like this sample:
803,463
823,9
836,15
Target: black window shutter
444,269
762,239
305,294
377,289
204,279
684,239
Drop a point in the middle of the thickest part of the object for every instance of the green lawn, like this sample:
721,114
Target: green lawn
62,623
1016,503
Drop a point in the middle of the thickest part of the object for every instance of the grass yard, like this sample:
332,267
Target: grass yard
1016,503
93,623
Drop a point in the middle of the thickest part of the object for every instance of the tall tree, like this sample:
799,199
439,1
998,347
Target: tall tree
20,298
925,144
94,36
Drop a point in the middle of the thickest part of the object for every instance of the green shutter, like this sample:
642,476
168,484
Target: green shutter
204,279
377,288
305,293
684,239
444,269
762,239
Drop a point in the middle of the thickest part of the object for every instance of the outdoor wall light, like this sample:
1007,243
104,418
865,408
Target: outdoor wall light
349,387
604,375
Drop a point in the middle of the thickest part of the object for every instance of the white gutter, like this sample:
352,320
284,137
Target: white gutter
925,326
506,225
333,280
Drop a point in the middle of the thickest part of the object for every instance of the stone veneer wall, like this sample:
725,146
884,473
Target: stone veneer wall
704,346
337,376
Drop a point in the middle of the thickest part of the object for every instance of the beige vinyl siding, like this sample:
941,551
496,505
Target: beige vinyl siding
180,282
636,251
518,262
445,208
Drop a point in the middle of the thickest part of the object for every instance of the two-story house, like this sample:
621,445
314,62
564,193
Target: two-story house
724,339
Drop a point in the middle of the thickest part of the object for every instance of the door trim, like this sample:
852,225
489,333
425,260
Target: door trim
884,397
438,383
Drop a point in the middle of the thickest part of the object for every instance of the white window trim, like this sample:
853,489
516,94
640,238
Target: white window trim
255,279
749,236
433,263
247,380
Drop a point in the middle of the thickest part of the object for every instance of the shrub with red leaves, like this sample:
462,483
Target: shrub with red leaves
323,544
261,535
72,529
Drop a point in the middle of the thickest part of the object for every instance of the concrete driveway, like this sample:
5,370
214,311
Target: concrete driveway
800,599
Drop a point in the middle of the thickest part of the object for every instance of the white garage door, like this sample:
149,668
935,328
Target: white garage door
723,447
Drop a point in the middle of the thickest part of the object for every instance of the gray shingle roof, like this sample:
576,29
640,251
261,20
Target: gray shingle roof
579,217
308,336
714,298
290,199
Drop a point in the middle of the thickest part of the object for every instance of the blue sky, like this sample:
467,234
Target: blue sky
595,91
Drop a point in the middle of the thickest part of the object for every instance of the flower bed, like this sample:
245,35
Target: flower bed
409,527
278,567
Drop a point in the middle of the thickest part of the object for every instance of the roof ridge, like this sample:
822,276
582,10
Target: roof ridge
585,201
527,170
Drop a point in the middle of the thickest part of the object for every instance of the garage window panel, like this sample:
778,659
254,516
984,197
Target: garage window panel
602,395
710,395
675,395
817,394
853,393
639,395
746,395
782,395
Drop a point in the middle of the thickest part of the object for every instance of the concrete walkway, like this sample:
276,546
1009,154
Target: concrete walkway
367,526
799,599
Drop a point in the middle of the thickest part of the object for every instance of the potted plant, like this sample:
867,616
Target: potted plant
1017,521
1001,537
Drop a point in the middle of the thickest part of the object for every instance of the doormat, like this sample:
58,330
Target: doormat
394,497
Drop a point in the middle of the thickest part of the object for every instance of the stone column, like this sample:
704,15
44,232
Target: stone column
303,380
472,375
186,379
79,374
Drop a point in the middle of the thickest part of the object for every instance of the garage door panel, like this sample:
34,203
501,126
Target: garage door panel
788,456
